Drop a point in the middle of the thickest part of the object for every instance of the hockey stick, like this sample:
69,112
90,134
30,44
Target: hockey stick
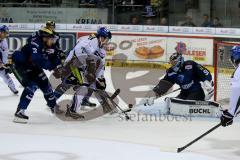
124,112
201,136
198,138
116,105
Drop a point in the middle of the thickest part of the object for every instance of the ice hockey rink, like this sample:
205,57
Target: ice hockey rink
109,137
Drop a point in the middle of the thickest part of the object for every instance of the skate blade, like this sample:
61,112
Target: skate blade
20,120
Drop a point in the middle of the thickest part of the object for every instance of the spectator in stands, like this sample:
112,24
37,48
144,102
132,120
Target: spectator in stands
163,22
206,21
216,22
28,1
188,22
149,21
134,20
87,1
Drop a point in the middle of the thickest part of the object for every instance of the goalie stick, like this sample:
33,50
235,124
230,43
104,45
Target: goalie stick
164,95
154,98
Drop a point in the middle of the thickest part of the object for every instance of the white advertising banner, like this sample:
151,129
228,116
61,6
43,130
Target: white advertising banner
152,48
199,50
204,30
135,47
177,29
59,15
228,31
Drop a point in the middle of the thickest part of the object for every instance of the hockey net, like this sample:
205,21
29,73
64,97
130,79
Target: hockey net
223,70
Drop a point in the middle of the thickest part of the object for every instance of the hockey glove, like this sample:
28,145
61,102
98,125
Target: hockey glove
6,67
8,70
62,55
58,72
208,89
2,66
101,83
226,118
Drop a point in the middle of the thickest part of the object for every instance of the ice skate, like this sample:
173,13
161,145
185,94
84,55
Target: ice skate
20,116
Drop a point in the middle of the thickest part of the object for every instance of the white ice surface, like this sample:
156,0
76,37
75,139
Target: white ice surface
47,138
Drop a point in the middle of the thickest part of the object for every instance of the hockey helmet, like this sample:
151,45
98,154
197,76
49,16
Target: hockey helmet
4,29
235,55
176,60
50,24
104,32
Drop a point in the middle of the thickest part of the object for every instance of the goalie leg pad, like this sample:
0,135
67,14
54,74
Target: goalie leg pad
193,108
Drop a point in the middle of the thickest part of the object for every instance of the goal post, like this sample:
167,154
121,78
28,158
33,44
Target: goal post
223,70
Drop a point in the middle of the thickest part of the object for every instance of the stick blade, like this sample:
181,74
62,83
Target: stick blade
179,150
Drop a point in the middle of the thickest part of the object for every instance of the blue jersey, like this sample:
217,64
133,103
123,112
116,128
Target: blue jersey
35,55
189,76
36,34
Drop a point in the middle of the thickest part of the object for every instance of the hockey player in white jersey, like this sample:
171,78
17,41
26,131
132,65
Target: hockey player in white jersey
88,56
4,67
228,115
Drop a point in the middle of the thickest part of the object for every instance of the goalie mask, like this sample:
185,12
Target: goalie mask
176,60
235,55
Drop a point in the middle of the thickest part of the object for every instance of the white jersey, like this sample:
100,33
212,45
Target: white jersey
235,92
4,60
88,48
4,51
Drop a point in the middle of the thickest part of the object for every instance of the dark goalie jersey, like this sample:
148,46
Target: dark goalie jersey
189,76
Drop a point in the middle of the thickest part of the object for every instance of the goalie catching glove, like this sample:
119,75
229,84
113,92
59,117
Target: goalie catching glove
208,89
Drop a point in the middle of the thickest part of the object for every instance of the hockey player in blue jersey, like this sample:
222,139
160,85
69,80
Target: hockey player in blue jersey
194,80
50,25
29,63
228,115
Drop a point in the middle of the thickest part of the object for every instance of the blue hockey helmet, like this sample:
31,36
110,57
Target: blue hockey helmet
235,55
104,32
4,29
176,60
